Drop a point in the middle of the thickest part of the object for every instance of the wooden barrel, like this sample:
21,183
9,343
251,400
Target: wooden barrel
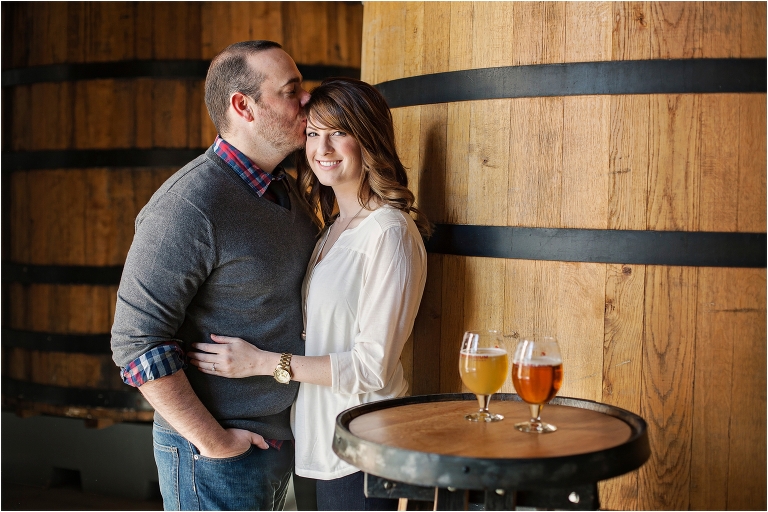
390,439
597,171
102,102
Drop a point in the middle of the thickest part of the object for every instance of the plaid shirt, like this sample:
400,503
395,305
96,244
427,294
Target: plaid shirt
164,359
257,179
168,358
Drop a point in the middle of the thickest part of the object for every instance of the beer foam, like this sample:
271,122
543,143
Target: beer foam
542,361
484,352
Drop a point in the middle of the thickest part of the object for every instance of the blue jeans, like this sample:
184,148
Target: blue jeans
255,480
345,493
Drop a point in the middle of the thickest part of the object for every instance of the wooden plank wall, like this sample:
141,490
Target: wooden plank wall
85,216
684,347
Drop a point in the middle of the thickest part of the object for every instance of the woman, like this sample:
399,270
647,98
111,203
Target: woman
361,292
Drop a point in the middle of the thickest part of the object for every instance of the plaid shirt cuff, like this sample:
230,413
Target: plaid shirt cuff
161,361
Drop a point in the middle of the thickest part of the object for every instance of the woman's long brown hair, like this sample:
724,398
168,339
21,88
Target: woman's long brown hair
358,109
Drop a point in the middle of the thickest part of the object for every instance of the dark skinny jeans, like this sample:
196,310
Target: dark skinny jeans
345,493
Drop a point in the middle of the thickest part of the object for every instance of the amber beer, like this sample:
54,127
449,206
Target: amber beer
539,381
483,370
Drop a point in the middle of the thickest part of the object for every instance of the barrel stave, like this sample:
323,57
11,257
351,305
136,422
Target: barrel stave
641,337
83,215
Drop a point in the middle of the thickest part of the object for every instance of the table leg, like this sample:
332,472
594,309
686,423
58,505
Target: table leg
451,499
577,497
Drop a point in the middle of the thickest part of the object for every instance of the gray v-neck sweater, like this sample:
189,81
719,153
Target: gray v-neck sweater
210,256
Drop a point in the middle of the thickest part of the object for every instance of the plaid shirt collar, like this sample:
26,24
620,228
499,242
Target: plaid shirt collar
257,179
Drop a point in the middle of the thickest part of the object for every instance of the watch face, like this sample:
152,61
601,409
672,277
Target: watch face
282,376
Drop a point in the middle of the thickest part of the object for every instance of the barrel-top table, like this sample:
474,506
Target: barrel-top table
422,448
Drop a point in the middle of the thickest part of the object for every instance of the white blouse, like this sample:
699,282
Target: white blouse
361,301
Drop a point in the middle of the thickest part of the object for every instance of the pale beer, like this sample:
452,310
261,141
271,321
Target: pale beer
483,370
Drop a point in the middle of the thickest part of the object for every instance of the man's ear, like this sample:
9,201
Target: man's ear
242,106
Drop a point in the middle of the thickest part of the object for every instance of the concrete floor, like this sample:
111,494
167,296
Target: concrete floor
28,497
70,497
52,463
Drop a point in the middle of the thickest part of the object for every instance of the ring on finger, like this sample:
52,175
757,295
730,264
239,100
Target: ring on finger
213,367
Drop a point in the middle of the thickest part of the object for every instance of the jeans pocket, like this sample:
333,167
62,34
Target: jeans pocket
167,460
225,460
233,483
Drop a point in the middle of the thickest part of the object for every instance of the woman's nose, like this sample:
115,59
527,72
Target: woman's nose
323,145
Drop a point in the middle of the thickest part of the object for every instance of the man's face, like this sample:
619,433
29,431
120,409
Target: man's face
279,114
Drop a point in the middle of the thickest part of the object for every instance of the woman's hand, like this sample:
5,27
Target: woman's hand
233,358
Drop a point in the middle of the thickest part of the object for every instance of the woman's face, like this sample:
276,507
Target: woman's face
334,156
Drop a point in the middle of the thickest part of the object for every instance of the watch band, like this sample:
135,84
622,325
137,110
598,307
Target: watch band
282,373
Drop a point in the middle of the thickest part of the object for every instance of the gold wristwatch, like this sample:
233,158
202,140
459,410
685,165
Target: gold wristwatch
283,371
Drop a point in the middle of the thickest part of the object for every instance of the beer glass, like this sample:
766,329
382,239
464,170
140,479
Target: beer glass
483,368
537,373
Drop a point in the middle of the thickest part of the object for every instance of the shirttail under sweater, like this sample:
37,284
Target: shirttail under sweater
211,257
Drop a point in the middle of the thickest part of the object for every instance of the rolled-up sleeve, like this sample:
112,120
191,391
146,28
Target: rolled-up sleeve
163,360
171,256
389,301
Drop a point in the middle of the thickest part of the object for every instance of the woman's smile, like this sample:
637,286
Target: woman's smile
335,156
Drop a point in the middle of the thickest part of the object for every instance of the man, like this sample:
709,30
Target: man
221,248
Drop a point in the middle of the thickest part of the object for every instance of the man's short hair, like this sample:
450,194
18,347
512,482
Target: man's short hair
229,73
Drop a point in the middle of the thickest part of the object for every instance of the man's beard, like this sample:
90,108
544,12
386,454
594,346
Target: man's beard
282,133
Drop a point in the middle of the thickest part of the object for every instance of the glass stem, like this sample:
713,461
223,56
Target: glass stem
536,413
483,400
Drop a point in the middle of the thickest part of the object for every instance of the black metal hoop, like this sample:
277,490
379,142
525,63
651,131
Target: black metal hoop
56,342
159,69
61,274
681,248
478,473
678,76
